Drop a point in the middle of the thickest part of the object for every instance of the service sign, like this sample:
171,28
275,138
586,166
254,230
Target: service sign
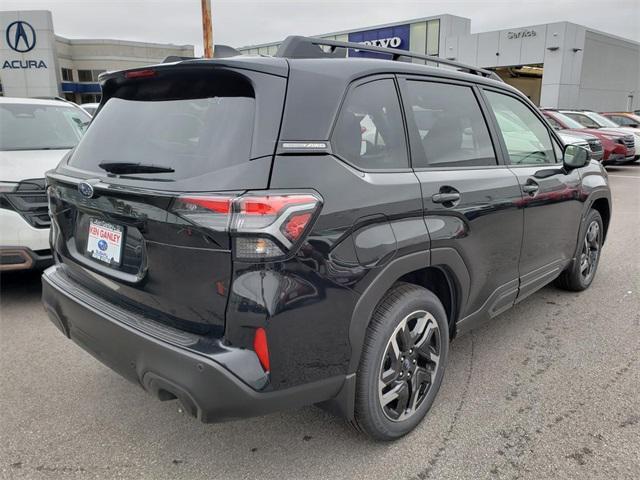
388,37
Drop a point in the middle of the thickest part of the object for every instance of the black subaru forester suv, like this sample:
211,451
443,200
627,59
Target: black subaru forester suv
251,234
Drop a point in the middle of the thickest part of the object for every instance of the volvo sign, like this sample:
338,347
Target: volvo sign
388,37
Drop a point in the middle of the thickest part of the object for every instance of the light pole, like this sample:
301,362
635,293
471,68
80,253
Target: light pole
207,29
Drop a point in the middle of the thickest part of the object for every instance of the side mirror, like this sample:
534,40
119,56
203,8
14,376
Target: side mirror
575,156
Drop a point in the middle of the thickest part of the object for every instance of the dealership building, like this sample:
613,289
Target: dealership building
35,62
561,65
557,65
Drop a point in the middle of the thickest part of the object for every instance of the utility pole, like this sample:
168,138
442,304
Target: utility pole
207,29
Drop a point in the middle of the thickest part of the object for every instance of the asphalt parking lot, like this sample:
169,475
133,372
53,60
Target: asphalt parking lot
550,389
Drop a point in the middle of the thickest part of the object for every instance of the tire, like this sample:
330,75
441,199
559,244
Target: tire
580,275
411,321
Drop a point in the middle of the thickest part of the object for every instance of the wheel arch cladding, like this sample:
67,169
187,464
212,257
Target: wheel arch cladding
437,280
601,205
412,269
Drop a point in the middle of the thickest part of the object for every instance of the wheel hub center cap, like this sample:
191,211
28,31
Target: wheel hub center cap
407,364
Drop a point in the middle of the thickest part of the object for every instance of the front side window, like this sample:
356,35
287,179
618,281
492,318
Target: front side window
369,132
40,127
452,130
526,137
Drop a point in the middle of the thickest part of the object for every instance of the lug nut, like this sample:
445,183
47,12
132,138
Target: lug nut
401,373
411,350
414,361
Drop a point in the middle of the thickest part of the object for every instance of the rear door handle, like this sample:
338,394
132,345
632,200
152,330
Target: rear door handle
445,197
530,188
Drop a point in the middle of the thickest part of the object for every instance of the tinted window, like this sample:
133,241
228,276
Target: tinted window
553,122
369,132
191,136
38,127
583,120
526,137
452,130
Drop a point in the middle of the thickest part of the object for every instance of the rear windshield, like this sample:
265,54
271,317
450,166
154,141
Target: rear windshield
25,126
191,136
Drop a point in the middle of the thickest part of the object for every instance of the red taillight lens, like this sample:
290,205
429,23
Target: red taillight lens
140,73
215,204
265,226
295,225
261,348
211,211
272,204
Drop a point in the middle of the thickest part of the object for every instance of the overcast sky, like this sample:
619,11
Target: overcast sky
241,22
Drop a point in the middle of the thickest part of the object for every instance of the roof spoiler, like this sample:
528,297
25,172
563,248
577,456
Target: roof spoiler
311,47
219,51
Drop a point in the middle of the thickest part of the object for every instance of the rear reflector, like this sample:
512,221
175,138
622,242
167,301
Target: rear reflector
261,348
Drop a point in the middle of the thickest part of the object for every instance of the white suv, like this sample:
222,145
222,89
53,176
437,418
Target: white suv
34,136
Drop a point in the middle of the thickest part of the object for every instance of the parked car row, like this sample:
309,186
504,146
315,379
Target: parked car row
618,144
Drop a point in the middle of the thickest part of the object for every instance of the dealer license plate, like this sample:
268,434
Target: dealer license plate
105,241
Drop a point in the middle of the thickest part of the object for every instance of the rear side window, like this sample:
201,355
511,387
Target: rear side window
369,132
452,129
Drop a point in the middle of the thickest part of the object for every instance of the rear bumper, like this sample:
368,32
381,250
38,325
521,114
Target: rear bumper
159,361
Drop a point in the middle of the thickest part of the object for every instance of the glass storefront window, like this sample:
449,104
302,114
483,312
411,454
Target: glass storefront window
433,37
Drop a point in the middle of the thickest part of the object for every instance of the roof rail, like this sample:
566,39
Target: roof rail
296,46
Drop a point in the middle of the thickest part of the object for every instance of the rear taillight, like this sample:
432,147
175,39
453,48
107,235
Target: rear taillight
264,226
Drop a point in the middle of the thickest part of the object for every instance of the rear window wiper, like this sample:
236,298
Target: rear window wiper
130,167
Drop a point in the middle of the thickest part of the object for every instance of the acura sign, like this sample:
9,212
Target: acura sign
21,38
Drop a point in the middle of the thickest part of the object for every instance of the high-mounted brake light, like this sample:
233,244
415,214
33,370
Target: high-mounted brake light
140,73
265,226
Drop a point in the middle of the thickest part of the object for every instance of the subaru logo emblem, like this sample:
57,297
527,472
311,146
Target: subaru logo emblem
85,189
21,37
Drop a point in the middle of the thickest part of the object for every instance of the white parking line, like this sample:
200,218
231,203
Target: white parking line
624,176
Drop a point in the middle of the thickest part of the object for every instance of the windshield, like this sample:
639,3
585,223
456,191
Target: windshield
602,121
40,127
191,136
568,121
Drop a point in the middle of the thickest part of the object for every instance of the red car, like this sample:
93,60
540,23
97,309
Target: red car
624,119
615,150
